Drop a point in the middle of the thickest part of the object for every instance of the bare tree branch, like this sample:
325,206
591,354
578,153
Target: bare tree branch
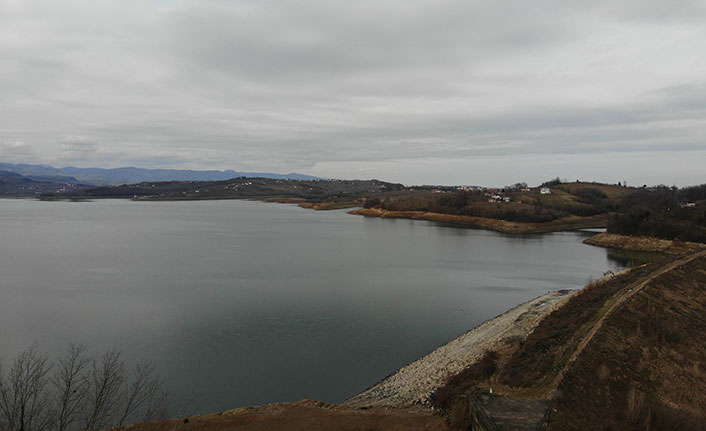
142,388
81,395
106,382
70,382
24,402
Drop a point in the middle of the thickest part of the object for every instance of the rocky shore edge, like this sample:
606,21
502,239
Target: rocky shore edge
416,382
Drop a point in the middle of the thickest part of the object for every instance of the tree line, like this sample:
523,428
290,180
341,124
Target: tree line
663,212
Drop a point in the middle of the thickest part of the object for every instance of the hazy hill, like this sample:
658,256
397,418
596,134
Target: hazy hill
14,184
130,175
7,176
243,188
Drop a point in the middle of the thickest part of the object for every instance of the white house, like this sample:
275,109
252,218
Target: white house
545,191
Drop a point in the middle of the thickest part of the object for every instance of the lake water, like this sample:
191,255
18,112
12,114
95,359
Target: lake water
246,303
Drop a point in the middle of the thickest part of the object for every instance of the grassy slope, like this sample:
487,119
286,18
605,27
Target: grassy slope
646,368
540,357
612,191
626,353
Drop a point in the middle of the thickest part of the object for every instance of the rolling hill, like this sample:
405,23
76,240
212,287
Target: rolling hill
130,175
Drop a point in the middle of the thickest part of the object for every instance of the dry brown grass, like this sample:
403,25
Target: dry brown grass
546,350
624,354
612,191
644,369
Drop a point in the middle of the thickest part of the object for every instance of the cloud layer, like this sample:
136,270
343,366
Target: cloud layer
438,91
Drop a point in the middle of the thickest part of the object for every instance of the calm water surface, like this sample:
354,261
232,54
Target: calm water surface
248,302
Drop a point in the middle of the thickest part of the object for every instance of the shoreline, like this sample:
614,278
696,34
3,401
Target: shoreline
504,226
414,383
317,206
572,223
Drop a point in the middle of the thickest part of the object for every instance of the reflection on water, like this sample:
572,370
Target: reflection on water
250,302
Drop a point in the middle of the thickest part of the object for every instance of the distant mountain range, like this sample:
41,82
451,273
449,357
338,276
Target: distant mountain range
130,175
14,184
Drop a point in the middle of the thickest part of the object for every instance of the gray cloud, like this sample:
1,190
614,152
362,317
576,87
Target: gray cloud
17,149
78,144
345,88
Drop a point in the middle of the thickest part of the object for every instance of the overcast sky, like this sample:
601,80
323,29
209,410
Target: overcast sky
433,91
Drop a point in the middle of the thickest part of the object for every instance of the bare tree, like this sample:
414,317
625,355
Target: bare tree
70,381
156,408
81,395
24,401
142,388
106,379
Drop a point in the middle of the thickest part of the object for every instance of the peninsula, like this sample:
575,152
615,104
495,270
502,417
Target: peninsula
553,206
665,212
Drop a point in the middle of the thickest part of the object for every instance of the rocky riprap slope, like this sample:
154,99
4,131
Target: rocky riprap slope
414,383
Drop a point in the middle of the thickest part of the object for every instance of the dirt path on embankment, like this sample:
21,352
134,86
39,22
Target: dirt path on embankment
613,304
414,383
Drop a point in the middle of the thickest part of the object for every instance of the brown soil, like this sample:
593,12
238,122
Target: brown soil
303,416
643,243
566,223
